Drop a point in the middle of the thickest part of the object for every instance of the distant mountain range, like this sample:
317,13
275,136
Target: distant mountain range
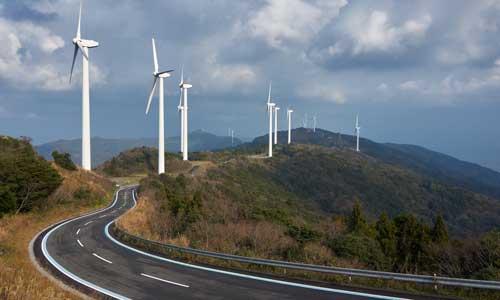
104,149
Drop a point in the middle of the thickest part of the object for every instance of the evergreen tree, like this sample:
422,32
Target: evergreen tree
439,233
386,235
64,161
356,221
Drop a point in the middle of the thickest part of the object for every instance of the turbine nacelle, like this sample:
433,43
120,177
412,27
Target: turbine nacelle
164,74
85,43
185,86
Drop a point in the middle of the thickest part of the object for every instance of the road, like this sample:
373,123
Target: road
82,252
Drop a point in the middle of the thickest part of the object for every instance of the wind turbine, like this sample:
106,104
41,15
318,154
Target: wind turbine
84,46
161,125
184,91
357,129
276,109
180,110
270,108
315,120
232,138
289,118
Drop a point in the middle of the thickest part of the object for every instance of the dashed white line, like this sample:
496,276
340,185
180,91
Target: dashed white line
88,223
163,280
80,243
103,216
78,231
103,259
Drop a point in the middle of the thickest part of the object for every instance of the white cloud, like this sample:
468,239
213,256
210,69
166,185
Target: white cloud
295,21
375,33
383,87
322,92
411,85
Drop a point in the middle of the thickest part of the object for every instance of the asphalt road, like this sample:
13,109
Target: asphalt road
81,250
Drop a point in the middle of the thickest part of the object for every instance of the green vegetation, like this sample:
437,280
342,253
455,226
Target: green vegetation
64,161
26,180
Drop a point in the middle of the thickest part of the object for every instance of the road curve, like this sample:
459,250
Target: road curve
82,252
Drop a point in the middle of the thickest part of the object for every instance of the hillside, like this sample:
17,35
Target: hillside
43,194
104,149
320,205
429,163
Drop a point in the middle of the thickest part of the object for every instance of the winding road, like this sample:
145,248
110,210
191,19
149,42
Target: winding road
82,253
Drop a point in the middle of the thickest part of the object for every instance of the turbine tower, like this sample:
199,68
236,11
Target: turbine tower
270,108
161,125
184,91
84,46
276,109
315,120
180,110
289,118
357,129
232,138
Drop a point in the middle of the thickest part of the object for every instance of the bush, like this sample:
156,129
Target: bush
26,179
64,161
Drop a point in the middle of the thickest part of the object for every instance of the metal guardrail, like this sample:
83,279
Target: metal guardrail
424,279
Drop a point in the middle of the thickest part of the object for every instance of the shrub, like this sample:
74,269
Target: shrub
64,161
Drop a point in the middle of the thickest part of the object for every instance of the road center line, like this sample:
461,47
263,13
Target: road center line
103,259
78,231
88,223
103,216
163,280
80,243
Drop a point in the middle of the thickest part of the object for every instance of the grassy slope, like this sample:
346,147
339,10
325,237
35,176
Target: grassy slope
19,279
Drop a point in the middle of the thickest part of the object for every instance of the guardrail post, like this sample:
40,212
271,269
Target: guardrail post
435,280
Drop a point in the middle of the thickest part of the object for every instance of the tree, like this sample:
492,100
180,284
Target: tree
64,161
356,221
386,235
439,233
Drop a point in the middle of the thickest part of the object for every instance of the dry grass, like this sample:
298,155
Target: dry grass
19,279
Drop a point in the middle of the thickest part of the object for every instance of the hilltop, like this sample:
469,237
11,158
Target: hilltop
439,166
104,149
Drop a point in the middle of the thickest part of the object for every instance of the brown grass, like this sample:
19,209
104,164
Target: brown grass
19,279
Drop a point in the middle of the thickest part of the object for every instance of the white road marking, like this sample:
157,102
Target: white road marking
163,280
108,261
78,231
103,216
88,223
80,243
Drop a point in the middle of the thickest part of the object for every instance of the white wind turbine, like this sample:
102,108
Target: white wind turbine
270,109
84,46
276,109
315,120
161,125
184,126
357,129
289,112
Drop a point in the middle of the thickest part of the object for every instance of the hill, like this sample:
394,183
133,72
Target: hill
104,149
441,167
43,194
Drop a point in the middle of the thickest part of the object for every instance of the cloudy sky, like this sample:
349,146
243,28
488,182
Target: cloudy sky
418,72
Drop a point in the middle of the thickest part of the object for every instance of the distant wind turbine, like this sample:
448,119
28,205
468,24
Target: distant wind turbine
357,130
289,118
232,137
161,121
184,91
270,108
276,109
84,46
315,120
304,121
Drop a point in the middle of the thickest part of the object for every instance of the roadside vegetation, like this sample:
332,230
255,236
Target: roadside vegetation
322,206
64,194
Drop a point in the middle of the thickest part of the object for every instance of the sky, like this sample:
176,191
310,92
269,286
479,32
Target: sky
417,72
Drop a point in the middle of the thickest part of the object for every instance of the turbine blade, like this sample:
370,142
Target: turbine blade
269,96
78,33
151,95
180,99
163,72
155,57
182,74
73,63
81,49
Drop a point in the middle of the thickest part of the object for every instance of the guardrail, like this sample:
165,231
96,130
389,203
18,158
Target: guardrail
424,279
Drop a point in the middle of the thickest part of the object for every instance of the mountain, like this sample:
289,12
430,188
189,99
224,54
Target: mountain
441,167
104,149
